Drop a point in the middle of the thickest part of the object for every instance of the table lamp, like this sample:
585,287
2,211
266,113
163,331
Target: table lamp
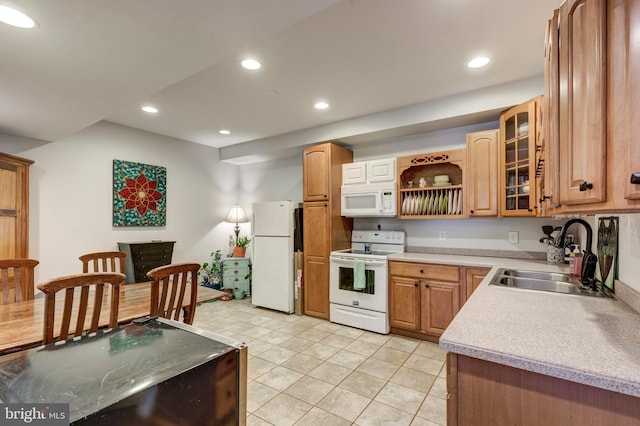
236,215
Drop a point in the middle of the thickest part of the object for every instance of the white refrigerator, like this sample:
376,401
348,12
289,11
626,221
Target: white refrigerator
272,256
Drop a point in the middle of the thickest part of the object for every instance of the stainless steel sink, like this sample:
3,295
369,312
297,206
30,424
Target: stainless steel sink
545,281
547,276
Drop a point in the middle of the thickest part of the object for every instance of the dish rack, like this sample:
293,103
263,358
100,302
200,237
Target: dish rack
441,201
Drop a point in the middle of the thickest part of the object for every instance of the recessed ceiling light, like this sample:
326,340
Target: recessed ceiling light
251,64
224,132
15,18
149,108
321,105
478,62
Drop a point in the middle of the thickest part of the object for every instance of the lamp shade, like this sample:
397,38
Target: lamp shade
236,215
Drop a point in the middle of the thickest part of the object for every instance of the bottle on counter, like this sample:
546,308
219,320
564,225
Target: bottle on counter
575,262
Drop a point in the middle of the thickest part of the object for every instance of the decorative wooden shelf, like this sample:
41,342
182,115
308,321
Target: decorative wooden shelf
429,201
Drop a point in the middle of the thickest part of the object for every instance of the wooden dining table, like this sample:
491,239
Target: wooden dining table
21,323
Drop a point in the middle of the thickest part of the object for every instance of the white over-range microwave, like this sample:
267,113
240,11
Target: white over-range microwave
374,199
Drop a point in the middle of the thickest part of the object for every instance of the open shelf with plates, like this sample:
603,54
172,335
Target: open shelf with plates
421,196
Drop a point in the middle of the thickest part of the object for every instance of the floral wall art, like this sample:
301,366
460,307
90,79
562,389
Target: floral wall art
139,194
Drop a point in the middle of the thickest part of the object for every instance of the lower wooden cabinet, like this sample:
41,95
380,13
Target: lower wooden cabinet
440,303
404,303
472,277
423,298
483,393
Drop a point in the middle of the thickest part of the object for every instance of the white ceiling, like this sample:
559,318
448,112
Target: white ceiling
103,59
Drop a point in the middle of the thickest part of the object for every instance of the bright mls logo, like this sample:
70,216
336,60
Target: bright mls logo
34,414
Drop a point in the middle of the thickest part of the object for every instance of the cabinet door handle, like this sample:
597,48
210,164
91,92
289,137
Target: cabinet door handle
426,286
415,285
471,211
544,197
635,178
585,185
422,271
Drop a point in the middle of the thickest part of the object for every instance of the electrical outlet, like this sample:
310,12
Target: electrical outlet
442,235
513,237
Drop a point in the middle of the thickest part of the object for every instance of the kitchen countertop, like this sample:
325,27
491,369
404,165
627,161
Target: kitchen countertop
589,340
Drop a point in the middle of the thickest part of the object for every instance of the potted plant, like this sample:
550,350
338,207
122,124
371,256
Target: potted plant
211,273
241,246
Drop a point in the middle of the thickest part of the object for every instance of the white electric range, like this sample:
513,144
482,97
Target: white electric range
363,303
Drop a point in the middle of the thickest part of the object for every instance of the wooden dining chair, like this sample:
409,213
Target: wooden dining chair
104,261
16,280
168,288
93,282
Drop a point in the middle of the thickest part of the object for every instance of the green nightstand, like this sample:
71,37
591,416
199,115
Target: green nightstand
236,274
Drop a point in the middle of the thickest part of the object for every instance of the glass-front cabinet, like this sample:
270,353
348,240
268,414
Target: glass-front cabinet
518,132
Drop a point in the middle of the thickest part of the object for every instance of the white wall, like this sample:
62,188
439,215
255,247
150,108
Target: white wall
71,196
71,204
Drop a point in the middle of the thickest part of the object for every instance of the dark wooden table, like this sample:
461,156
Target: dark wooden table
21,323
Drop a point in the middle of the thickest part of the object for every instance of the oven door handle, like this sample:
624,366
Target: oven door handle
349,261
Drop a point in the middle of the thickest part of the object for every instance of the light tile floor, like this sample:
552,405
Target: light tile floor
307,371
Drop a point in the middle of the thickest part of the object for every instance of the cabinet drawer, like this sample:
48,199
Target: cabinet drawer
425,270
236,272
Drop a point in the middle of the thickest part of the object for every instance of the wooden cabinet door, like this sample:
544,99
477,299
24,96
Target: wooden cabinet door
404,303
550,189
632,177
518,160
582,92
14,207
440,302
316,259
472,278
482,174
316,173
316,286
316,223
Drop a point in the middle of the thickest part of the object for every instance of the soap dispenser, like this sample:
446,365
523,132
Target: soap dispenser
575,262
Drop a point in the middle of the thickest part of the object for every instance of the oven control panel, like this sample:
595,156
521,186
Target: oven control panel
385,237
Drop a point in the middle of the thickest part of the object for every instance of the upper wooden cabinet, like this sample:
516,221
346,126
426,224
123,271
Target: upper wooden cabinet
518,133
14,207
322,171
325,229
597,107
316,172
547,171
582,102
481,177
630,17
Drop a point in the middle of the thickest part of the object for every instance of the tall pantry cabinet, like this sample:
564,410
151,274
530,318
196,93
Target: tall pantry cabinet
14,206
324,229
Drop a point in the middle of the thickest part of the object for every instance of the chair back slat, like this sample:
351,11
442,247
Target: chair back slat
66,313
17,280
95,319
88,283
168,289
104,261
